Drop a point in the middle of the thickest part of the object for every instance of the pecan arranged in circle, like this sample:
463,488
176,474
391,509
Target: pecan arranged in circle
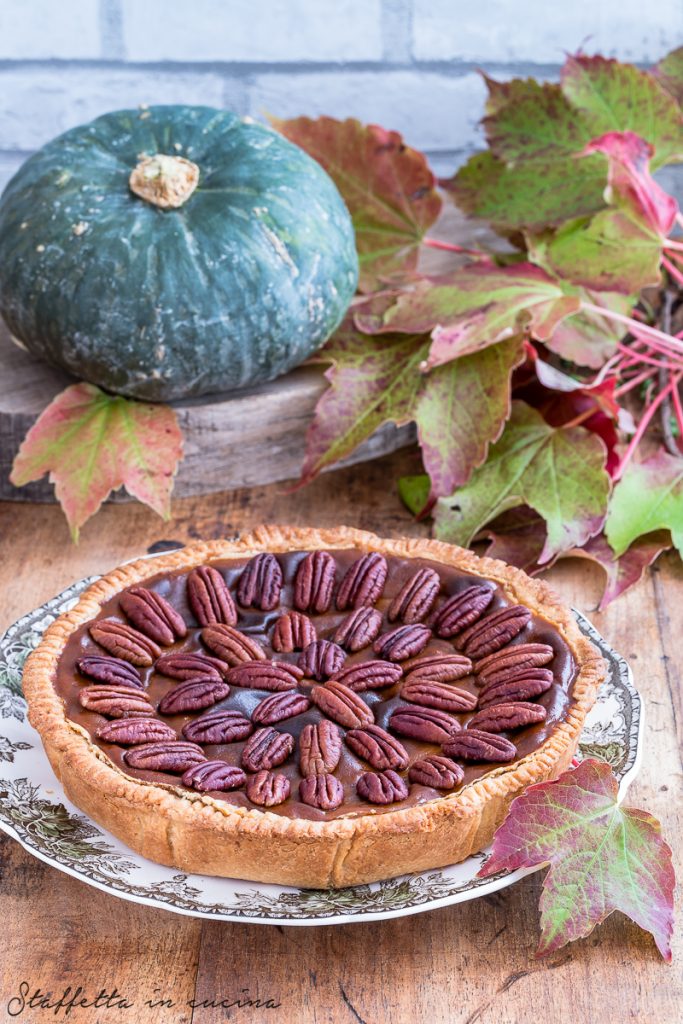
494,631
293,631
363,582
341,704
230,645
514,715
439,668
266,748
378,747
437,772
416,598
153,615
322,791
278,707
358,629
320,748
427,724
477,745
506,664
402,642
128,732
381,787
194,695
213,775
222,726
190,665
533,683
267,789
265,675
116,701
314,582
123,641
370,675
109,670
461,610
173,756
209,597
321,659
439,695
260,583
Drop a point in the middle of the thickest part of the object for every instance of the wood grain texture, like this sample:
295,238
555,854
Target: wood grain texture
468,964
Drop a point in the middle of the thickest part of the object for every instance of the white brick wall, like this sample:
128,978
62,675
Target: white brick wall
38,29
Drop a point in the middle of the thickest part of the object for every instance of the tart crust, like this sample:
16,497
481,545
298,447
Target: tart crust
196,833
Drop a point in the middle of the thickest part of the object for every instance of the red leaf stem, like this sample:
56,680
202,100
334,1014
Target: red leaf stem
672,270
652,334
650,410
437,243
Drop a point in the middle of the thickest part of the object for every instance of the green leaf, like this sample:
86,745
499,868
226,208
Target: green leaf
92,443
586,338
669,71
648,497
558,472
414,492
602,857
387,186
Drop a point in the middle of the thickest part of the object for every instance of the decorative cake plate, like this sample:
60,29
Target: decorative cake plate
35,812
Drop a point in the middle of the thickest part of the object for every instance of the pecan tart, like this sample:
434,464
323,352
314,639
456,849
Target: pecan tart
310,707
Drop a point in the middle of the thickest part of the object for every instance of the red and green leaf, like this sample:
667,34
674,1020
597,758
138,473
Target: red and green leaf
669,72
587,338
648,497
626,570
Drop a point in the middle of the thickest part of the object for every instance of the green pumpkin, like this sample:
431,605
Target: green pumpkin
174,251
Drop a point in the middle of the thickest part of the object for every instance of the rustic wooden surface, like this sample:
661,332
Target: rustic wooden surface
467,964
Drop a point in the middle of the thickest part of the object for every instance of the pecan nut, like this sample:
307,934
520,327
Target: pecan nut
494,631
363,582
507,663
267,789
460,610
116,701
416,598
513,715
322,791
293,631
430,694
115,671
194,695
342,705
213,775
381,787
314,582
153,615
174,756
477,745
230,645
533,683
128,732
402,642
266,748
278,707
265,675
209,597
188,666
320,748
321,659
438,668
223,726
370,675
260,583
359,629
378,747
427,724
124,642
437,772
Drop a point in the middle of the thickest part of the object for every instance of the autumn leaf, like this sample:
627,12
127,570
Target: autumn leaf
623,572
602,857
669,72
387,186
92,443
587,338
560,473
648,497
414,492
517,537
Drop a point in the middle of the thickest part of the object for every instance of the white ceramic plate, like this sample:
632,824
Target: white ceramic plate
35,812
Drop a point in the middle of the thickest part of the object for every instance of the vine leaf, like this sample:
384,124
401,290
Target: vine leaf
517,536
669,71
559,472
92,443
387,186
602,857
648,497
587,338
623,572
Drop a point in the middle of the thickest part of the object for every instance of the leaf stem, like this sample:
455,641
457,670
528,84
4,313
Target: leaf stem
652,333
642,427
670,244
437,243
672,270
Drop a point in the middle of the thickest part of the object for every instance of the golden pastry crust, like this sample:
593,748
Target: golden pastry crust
196,833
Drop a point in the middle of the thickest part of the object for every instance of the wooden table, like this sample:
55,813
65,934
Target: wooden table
460,965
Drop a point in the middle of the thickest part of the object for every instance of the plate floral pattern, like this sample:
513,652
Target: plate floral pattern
34,811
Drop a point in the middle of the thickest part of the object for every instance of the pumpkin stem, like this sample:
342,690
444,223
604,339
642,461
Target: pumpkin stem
164,181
